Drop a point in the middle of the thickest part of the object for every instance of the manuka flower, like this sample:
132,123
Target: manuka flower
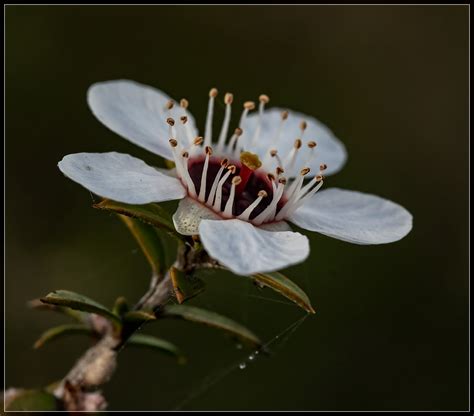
236,192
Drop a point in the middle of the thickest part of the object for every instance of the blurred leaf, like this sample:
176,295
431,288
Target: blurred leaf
34,400
79,302
151,214
120,306
138,316
185,285
77,315
149,241
202,316
286,287
62,330
149,341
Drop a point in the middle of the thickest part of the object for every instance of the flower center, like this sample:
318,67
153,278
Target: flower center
233,181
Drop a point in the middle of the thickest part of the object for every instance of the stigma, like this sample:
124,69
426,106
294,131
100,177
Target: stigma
231,179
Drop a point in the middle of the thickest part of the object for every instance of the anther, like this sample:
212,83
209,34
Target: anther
303,125
183,119
185,154
284,115
319,178
213,92
173,142
271,176
208,150
236,180
170,121
184,103
232,168
228,98
304,171
312,144
224,162
264,99
249,105
273,152
262,193
170,104
198,141
298,143
323,166
238,131
282,181
279,170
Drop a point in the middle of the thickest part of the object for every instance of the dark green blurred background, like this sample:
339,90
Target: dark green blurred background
391,329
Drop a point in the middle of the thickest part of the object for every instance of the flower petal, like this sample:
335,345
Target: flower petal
246,249
189,214
275,226
354,217
329,150
137,112
121,177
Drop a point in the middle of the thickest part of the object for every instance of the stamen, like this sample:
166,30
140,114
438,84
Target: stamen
311,154
274,153
187,177
217,202
210,112
181,162
169,105
248,211
225,125
263,100
293,193
236,180
237,133
303,126
301,200
202,189
290,160
212,193
270,210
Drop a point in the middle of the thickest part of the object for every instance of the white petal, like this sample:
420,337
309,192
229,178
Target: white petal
136,112
121,177
189,214
246,249
354,217
275,226
329,149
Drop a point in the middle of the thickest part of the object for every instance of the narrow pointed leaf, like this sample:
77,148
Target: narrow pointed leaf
151,214
138,317
157,344
75,314
79,302
62,330
286,287
202,316
149,241
185,285
33,400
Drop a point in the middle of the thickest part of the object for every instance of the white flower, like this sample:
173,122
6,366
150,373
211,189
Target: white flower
238,193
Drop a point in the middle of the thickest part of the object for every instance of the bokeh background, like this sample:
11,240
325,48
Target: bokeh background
391,329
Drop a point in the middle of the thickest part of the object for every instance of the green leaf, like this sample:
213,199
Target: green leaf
77,315
149,341
151,214
79,302
202,316
149,241
33,400
140,316
185,285
61,330
286,287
